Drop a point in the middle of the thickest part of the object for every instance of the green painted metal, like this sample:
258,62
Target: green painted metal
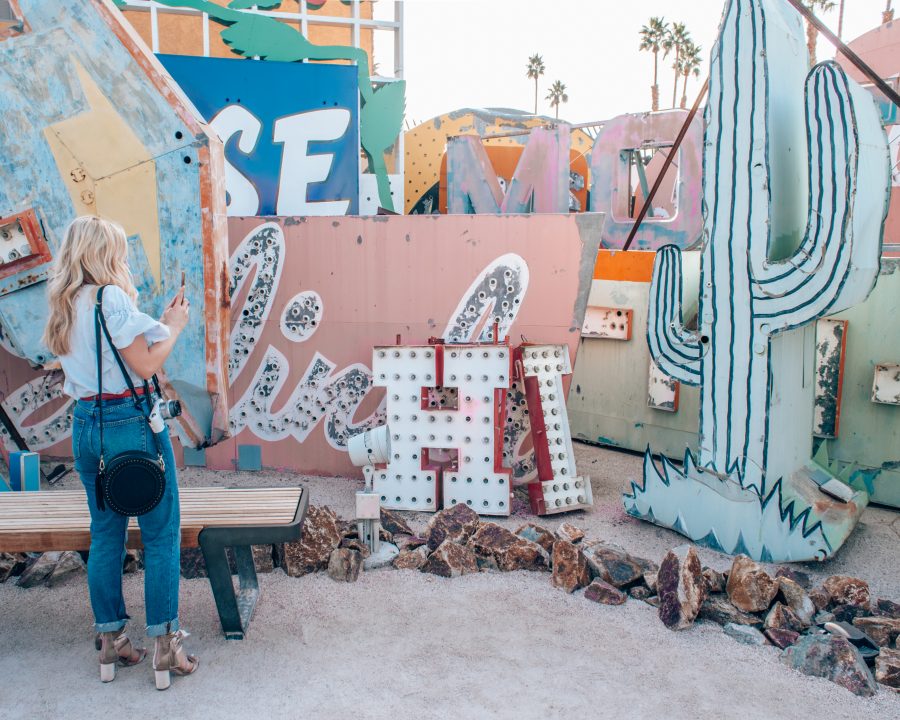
252,35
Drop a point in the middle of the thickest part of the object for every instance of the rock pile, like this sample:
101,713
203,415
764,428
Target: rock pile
836,630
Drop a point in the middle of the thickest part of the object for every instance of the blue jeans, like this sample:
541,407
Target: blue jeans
124,428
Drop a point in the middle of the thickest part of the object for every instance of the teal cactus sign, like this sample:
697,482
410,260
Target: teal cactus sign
253,35
773,262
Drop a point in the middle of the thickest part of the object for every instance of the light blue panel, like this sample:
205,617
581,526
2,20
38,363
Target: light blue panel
25,471
39,87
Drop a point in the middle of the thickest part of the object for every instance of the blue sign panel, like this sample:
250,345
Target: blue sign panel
291,131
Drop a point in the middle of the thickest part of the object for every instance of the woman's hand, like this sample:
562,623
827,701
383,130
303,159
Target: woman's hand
176,313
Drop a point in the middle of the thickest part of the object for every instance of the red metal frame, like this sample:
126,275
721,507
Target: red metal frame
40,251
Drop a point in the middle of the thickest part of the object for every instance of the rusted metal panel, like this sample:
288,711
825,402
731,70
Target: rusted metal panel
93,124
831,341
662,390
607,322
886,384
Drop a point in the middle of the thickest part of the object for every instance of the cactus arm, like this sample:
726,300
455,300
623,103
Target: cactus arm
674,350
836,265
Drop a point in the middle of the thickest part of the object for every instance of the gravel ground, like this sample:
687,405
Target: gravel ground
401,644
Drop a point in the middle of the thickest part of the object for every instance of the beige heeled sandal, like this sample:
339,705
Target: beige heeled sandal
169,657
116,650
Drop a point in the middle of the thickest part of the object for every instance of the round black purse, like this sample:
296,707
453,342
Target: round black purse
133,482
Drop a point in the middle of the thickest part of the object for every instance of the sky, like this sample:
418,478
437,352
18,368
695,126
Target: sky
473,53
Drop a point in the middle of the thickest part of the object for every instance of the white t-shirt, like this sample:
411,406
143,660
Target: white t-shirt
124,321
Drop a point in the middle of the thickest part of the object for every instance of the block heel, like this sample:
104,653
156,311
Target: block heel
163,679
107,672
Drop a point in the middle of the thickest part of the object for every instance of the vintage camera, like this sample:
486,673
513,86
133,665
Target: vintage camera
169,409
163,410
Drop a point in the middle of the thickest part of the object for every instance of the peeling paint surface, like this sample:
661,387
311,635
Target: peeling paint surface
831,339
92,124
304,389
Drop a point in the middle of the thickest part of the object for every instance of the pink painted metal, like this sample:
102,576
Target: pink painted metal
313,296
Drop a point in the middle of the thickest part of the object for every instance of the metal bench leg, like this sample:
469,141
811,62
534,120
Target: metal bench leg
234,610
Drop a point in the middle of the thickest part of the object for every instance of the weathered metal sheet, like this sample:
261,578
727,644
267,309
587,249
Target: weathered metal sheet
662,390
286,153
313,296
93,124
886,384
753,488
831,341
611,190
540,183
612,323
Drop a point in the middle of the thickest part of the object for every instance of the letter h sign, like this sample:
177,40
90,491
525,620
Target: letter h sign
446,406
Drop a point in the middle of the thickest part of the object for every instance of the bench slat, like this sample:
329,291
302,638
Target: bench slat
60,520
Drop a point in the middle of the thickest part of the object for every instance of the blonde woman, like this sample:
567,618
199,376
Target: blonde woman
94,254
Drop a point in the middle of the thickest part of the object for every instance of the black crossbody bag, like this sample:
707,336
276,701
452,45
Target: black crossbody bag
133,482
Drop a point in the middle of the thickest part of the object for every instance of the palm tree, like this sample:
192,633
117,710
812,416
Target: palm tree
535,70
557,95
811,33
689,64
888,13
676,39
840,32
653,36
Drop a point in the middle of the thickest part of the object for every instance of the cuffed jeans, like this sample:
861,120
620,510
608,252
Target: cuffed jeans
125,428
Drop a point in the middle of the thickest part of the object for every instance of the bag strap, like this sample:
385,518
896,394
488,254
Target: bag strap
100,325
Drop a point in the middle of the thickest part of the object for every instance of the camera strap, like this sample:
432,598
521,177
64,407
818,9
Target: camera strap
100,325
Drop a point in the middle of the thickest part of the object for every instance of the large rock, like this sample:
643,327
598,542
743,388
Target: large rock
451,560
12,565
411,559
833,658
510,551
744,634
887,668
848,613
749,587
719,610
845,590
69,565
782,617
885,608
38,570
322,533
604,593
409,542
681,587
358,545
613,565
640,592
536,533
715,581
570,569
344,565
883,630
570,533
134,561
394,524
798,576
263,558
781,637
797,599
456,524
820,598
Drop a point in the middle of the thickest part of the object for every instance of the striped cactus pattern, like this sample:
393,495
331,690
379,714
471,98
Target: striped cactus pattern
764,278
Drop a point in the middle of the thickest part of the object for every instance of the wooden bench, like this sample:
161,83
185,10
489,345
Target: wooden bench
212,519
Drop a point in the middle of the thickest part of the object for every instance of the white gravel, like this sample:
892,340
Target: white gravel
401,644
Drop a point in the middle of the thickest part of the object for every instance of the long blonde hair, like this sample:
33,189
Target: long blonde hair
94,252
